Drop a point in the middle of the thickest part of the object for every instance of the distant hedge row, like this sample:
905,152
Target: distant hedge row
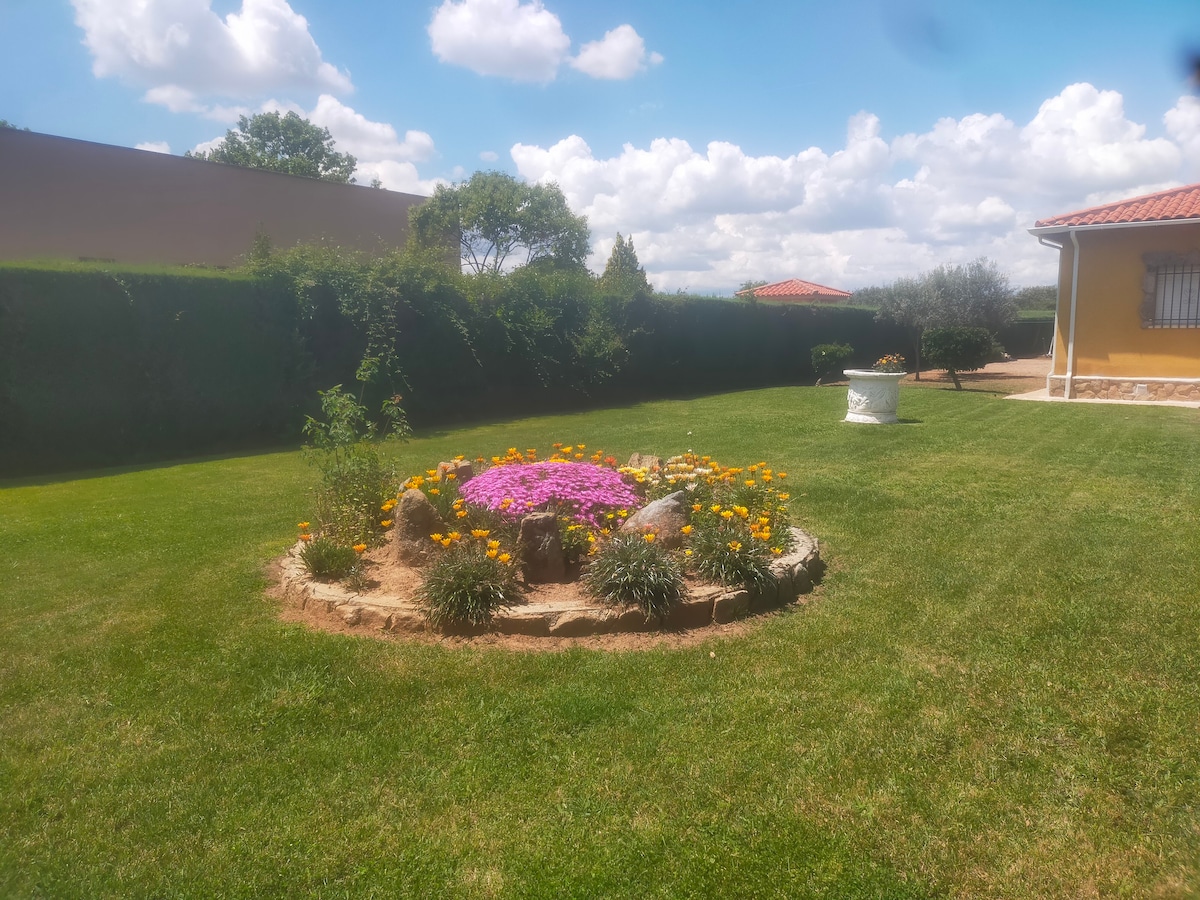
103,368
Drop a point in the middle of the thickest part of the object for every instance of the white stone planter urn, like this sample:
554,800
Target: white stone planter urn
873,396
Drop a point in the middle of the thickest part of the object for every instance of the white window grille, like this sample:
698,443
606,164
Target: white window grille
1176,297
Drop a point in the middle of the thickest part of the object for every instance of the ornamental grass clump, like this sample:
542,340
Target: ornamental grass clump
634,569
470,582
323,557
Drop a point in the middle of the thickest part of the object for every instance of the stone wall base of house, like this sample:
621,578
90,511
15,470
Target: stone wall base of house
1090,388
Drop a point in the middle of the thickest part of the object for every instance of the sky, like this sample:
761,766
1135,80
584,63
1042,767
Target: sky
847,143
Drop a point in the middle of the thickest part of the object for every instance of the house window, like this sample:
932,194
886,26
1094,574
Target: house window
1177,297
1172,295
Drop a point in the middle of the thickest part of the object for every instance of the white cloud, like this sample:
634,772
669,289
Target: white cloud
619,55
709,220
506,38
489,156
154,146
183,47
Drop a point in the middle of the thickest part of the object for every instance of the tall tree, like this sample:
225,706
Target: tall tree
287,143
623,273
975,295
495,218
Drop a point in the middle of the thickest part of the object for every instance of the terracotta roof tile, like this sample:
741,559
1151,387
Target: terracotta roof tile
1177,203
795,287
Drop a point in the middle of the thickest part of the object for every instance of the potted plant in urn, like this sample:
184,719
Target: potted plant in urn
874,393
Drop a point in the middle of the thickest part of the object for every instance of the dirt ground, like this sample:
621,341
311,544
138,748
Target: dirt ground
1016,376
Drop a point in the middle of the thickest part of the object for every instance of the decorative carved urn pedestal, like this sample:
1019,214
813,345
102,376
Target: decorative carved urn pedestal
873,396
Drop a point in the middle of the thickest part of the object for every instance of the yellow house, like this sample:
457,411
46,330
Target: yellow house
1127,325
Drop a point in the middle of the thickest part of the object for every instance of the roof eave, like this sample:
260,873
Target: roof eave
1044,230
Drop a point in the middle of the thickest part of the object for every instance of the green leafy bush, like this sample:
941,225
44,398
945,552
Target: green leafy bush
958,349
830,358
468,584
324,557
636,570
355,482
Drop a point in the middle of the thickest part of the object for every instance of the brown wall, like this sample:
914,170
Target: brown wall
68,199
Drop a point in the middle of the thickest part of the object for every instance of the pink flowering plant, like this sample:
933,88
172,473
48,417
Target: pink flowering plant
581,491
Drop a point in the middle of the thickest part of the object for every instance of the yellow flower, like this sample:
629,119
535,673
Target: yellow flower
727,514
777,550
591,538
506,503
436,537
450,476
306,537
504,557
696,507
686,529
454,536
359,548
649,537
581,446
781,474
749,482
385,523
566,449
622,513
735,546
480,532
462,513
741,511
687,552
303,526
434,491
491,554
716,507
783,496
431,472
766,478
445,542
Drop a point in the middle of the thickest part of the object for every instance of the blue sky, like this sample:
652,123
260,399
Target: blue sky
845,143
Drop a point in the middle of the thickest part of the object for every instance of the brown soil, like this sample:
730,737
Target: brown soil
1016,376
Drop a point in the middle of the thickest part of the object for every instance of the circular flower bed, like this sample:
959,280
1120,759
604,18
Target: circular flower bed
630,535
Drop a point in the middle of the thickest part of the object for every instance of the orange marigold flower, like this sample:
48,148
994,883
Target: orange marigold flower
306,537
359,548
695,507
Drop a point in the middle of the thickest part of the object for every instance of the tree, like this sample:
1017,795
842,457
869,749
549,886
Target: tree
4,123
830,358
494,216
1043,296
958,349
749,291
623,273
974,295
288,144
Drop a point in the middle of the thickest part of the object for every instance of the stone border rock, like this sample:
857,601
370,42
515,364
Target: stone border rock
794,573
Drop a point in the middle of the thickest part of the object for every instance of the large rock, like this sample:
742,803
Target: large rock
645,461
665,517
462,470
415,520
542,554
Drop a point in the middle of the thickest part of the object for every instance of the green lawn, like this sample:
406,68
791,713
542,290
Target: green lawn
996,692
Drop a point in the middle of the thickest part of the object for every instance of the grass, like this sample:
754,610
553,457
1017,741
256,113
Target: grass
994,694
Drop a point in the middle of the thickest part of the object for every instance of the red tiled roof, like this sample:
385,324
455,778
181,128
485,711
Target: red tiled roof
1177,203
794,287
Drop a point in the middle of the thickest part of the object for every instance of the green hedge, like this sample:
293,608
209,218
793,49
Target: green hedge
101,368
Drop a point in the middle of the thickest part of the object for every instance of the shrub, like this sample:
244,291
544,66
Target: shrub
957,350
723,552
355,482
469,583
325,558
830,358
635,569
